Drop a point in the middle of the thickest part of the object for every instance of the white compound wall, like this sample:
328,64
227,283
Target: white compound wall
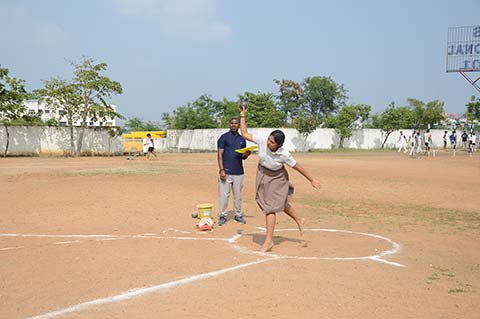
35,140
206,140
28,140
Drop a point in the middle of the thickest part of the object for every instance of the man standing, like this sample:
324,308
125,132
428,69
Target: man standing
402,140
464,140
413,142
419,143
453,141
428,141
445,140
473,141
230,172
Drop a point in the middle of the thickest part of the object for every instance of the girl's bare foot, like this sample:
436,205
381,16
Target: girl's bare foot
300,226
266,247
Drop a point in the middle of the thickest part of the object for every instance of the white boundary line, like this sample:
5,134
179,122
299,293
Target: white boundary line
12,248
58,236
135,292
102,237
66,242
379,258
115,237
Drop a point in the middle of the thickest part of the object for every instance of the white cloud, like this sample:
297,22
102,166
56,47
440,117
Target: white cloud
49,35
194,19
12,14
17,24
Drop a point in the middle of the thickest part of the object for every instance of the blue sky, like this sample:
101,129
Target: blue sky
166,53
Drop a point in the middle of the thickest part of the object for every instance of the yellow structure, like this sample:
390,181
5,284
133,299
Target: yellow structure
133,141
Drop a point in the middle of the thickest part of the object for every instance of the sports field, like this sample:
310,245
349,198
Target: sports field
387,237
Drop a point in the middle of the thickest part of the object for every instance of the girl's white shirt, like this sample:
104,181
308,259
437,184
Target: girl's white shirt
272,160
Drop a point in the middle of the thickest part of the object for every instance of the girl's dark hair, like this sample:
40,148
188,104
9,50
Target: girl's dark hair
278,136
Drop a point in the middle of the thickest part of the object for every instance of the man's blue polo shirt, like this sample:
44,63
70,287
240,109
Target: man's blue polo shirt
232,161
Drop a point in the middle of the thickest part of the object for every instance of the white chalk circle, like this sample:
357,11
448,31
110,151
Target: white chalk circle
378,256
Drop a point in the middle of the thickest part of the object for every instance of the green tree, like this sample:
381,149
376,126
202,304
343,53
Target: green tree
290,99
373,121
329,121
183,118
393,119
308,104
83,97
137,124
305,124
61,96
262,110
229,109
208,111
473,109
318,96
94,90
431,113
322,96
349,117
202,113
12,109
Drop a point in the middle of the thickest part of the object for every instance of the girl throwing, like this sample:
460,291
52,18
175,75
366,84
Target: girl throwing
273,188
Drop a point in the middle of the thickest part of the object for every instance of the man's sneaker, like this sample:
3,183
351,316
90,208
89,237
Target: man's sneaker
222,220
239,219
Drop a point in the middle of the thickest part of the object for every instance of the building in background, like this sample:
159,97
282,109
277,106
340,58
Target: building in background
460,121
34,107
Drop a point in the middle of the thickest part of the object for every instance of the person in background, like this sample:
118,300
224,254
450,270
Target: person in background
464,140
427,137
413,142
419,143
445,135
453,141
151,147
472,142
402,140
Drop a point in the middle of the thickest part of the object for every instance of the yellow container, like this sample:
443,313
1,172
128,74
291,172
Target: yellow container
205,210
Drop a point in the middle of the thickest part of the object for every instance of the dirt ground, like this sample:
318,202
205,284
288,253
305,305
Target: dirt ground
387,237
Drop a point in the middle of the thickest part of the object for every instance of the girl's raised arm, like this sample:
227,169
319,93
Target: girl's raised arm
243,122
